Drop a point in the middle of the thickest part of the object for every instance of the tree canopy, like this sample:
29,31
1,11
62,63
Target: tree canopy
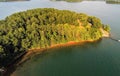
44,27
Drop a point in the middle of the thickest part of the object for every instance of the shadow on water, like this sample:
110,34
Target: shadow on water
11,67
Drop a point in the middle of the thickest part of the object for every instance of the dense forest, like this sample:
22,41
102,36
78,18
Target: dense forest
43,27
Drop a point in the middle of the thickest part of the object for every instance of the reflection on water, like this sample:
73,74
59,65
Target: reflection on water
107,1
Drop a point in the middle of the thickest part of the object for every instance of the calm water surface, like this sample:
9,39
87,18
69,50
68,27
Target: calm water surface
100,58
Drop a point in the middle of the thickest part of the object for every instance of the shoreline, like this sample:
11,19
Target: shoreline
34,51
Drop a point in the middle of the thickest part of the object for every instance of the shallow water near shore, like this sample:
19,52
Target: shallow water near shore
101,58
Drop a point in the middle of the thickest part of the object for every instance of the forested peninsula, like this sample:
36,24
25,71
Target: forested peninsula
44,27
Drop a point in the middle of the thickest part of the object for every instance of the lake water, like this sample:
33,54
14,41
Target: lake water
100,58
